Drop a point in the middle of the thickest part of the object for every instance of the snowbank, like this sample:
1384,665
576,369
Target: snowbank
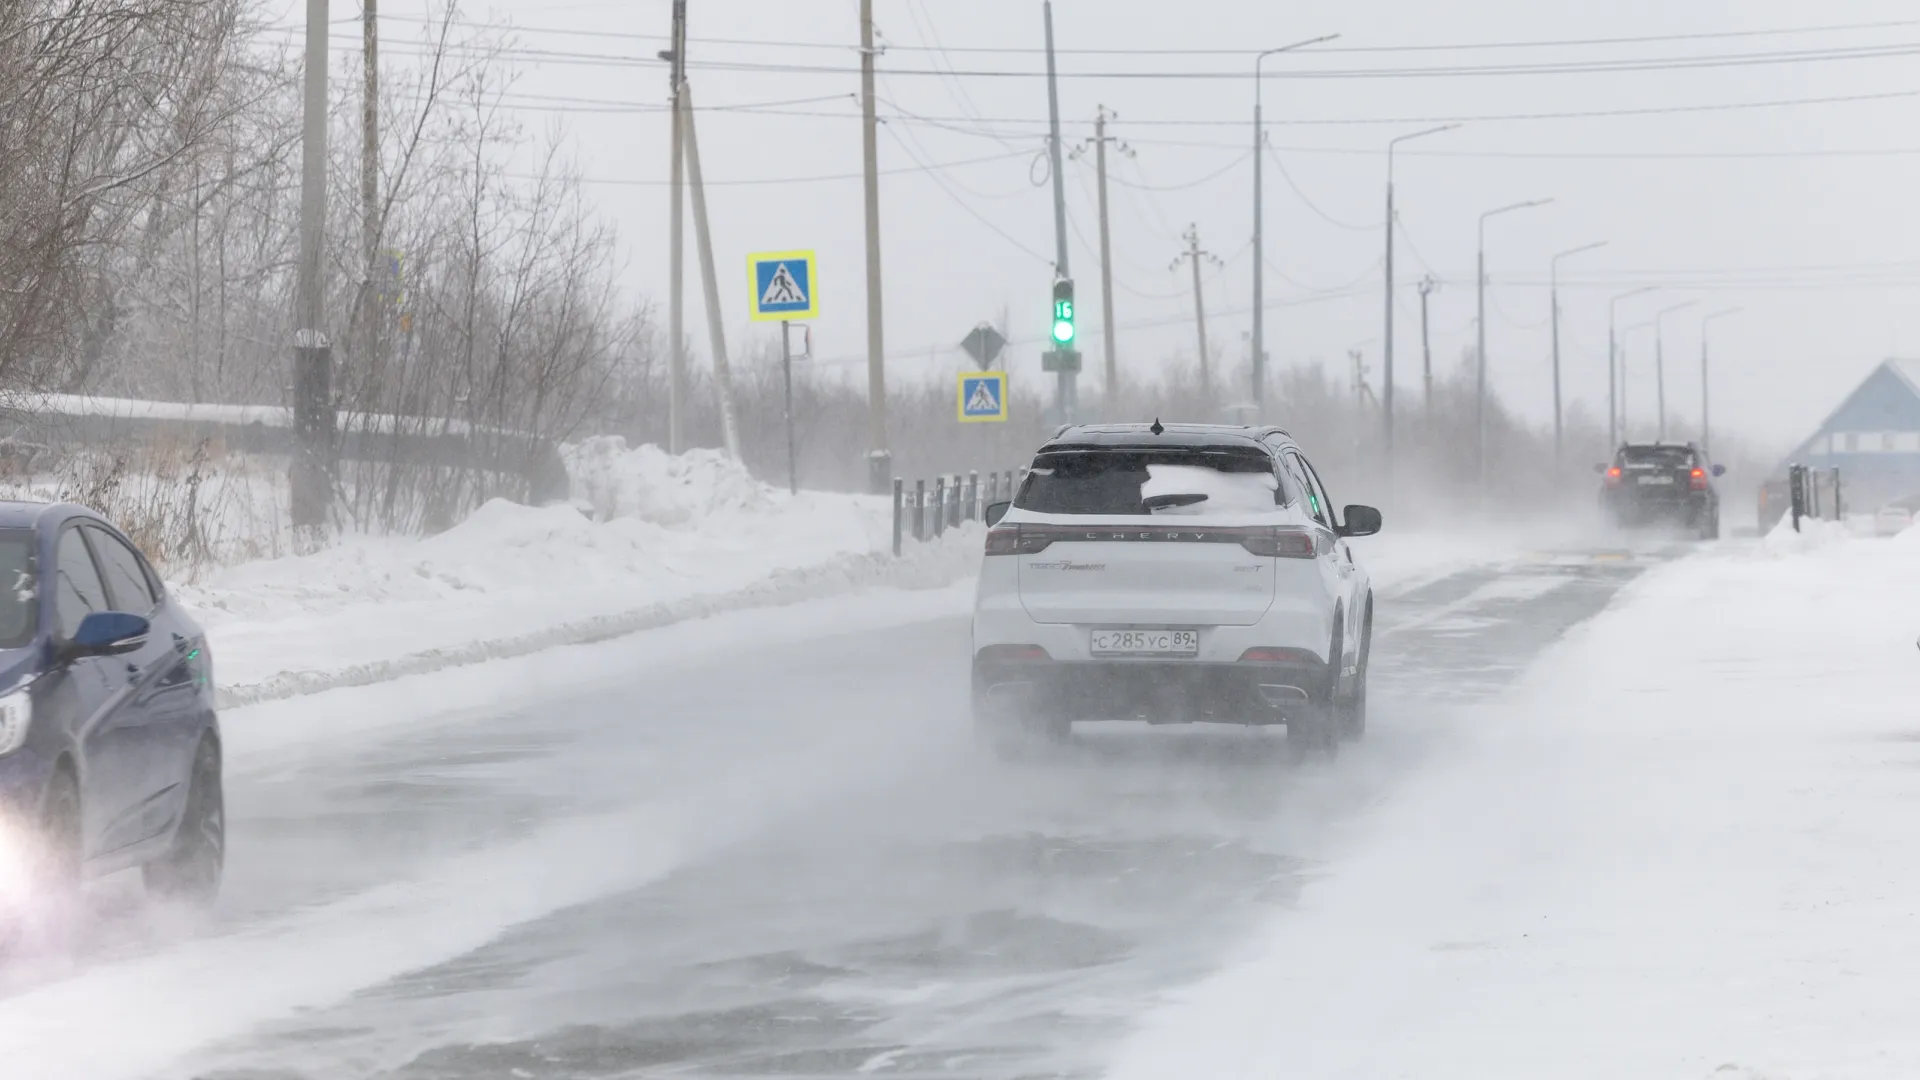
657,539
1682,847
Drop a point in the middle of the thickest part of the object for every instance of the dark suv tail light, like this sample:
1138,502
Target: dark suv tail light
1697,480
1613,477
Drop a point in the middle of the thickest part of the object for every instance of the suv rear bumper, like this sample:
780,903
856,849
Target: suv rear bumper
1157,691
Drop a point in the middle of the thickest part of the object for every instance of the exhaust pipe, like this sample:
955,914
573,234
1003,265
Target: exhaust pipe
1281,696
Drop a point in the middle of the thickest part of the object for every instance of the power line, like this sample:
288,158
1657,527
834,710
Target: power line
1310,204
934,172
993,50
1208,178
1580,67
784,180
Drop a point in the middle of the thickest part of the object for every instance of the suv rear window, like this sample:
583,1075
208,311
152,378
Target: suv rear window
1159,483
1659,457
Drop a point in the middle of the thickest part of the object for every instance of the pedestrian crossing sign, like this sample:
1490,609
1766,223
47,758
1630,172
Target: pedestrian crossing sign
783,286
983,397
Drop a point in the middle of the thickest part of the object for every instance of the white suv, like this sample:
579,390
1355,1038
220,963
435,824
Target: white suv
1172,574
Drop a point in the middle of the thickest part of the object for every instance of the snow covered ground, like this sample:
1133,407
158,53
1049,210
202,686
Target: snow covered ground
1681,847
652,539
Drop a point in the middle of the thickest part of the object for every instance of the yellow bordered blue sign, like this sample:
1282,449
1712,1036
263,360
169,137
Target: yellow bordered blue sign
783,286
982,397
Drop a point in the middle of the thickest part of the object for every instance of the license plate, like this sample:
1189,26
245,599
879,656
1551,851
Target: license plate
1656,480
1146,642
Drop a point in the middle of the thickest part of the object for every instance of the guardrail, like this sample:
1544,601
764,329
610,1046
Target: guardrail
928,509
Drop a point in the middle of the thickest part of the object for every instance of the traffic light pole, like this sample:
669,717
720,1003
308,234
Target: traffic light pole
1066,370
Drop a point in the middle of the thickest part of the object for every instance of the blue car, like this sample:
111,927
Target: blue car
109,743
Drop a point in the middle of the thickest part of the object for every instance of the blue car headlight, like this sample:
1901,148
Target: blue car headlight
16,716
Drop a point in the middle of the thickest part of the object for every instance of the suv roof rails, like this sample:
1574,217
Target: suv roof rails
1063,429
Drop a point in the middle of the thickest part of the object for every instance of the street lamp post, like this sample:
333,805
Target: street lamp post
1480,278
1259,239
1554,276
1614,397
1386,400
1660,364
1706,442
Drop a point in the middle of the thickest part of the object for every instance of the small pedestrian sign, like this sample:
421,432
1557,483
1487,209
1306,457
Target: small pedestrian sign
783,286
983,397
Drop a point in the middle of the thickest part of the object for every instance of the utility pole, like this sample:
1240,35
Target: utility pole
311,478
716,327
376,288
1106,267
1259,235
677,241
879,459
1427,287
1194,255
1480,348
1386,375
1067,367
1660,363
1553,265
1616,374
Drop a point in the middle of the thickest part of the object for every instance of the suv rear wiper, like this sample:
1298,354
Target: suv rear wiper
1165,502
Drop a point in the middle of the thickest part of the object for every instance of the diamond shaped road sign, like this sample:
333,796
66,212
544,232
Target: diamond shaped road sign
984,344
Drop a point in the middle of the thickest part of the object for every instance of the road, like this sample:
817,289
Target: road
785,862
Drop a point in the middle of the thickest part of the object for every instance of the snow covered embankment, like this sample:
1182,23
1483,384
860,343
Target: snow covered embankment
654,539
1682,847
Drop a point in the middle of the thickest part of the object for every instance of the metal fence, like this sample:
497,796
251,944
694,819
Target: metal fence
1815,493
929,508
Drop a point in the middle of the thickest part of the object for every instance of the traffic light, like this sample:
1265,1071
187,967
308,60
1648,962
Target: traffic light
1063,313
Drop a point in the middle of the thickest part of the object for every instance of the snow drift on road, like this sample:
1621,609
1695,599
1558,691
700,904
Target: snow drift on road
655,539
1682,847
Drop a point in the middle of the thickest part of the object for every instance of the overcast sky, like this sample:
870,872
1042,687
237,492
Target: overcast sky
1802,214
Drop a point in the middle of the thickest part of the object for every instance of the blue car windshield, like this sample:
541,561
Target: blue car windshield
19,594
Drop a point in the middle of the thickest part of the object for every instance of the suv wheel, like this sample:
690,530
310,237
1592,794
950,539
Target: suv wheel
1313,729
191,871
1351,710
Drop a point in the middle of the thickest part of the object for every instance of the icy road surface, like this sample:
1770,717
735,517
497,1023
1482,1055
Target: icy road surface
724,851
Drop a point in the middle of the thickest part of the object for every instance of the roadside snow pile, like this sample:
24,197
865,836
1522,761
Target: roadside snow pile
511,579
1681,847
1813,535
648,483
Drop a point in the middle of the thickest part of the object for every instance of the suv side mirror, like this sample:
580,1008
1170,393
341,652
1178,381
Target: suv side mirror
996,511
1600,468
1719,470
1360,521
108,633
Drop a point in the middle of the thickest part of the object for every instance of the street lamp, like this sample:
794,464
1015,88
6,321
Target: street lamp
1615,392
1626,429
1660,363
1705,441
1386,404
1554,276
1259,245
1480,406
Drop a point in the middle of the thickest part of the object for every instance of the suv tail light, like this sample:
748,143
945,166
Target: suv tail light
1280,542
1020,539
1697,480
1613,477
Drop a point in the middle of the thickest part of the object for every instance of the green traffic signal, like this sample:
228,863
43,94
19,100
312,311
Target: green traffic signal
1063,312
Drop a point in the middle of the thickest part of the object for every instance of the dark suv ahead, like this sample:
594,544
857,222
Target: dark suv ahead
1649,483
